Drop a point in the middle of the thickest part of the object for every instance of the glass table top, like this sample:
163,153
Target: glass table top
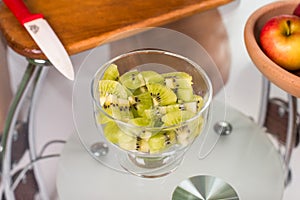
245,159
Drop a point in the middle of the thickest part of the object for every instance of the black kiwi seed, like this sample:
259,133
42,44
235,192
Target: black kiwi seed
181,107
137,144
134,106
133,77
167,138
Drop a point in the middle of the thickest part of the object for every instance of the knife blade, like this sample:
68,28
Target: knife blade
44,36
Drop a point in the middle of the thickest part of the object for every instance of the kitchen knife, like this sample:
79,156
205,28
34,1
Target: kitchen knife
44,36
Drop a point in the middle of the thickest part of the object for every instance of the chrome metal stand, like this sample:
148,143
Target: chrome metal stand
26,89
292,125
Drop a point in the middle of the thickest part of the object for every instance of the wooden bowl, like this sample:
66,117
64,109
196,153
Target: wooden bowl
289,81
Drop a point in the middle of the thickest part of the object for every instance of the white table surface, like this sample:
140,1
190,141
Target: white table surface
245,159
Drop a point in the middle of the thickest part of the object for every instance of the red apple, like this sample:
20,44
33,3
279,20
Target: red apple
297,10
280,40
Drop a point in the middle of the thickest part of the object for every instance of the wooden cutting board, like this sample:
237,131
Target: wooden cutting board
82,25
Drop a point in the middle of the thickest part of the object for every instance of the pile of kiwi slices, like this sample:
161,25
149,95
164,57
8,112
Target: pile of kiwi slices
149,101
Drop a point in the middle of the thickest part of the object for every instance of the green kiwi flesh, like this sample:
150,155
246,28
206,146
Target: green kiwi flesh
161,95
111,73
108,87
178,75
140,103
132,80
152,77
161,141
184,94
148,99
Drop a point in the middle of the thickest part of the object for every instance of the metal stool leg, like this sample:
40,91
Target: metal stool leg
29,78
31,132
291,130
264,101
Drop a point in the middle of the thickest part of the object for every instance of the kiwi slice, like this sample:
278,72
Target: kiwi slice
117,108
174,83
177,117
183,134
184,94
152,77
140,90
185,131
140,131
155,115
153,112
124,109
199,100
132,80
126,142
161,141
110,106
107,87
189,106
142,145
111,73
161,95
112,132
181,84
178,75
101,118
140,102
130,143
140,121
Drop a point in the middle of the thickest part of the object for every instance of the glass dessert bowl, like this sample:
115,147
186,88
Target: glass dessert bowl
151,105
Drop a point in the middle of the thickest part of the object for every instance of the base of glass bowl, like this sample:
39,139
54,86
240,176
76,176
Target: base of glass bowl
151,167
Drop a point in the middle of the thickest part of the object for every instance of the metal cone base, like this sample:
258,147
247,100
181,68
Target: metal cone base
204,188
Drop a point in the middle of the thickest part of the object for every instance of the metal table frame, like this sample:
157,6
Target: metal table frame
25,98
292,122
